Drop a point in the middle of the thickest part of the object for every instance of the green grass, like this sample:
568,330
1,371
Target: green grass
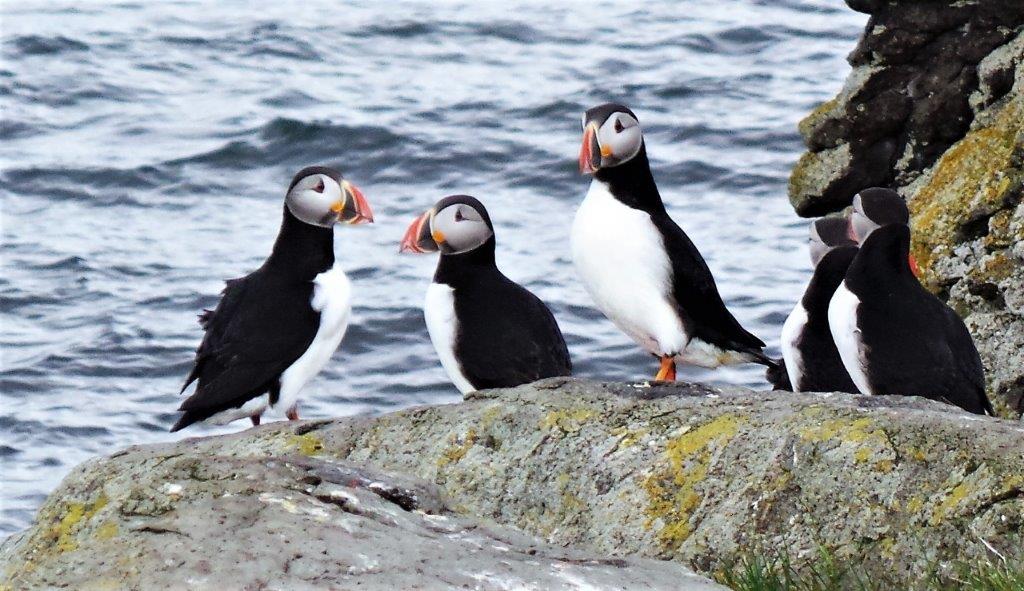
758,572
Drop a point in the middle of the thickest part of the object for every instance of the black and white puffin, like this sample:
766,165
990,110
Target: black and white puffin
277,327
893,335
488,331
810,357
638,265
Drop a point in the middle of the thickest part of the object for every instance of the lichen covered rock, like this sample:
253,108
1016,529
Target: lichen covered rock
699,476
934,107
177,517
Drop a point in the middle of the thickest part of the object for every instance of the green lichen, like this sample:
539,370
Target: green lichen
673,488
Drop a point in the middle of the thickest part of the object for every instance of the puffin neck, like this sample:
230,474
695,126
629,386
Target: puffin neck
633,184
456,269
301,251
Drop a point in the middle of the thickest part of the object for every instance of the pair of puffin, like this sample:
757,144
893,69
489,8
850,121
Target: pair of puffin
638,265
277,327
865,324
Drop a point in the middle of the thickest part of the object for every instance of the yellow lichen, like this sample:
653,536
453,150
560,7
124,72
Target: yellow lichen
954,498
973,177
107,531
307,444
456,451
566,421
914,504
673,487
63,534
628,437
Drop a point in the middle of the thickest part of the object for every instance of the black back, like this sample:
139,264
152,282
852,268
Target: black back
822,369
914,344
694,292
506,335
262,324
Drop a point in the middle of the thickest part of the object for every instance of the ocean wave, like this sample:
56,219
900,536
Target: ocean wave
39,45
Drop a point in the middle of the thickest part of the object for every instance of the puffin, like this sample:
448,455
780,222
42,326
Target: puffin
488,331
276,328
894,336
811,360
642,271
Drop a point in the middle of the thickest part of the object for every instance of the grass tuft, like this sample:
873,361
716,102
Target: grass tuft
826,572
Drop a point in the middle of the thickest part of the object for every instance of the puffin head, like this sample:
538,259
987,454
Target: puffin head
827,234
611,136
877,207
454,225
319,196
874,208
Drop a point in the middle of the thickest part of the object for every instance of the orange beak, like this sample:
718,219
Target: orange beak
590,151
418,237
354,209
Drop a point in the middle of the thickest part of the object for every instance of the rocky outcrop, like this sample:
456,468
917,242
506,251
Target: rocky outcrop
934,107
178,517
695,475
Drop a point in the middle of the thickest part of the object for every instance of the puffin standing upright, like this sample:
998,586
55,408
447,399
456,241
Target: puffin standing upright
811,360
277,327
638,265
488,331
894,336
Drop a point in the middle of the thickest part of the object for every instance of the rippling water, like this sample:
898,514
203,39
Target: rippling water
146,148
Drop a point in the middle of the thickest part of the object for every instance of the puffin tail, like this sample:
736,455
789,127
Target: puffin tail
778,377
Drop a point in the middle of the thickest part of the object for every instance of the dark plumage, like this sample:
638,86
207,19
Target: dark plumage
263,323
821,369
506,335
913,343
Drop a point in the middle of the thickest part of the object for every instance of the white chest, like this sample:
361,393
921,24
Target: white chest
790,340
842,322
332,297
439,313
620,257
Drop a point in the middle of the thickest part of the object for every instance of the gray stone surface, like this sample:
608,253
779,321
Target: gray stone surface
934,108
699,476
183,517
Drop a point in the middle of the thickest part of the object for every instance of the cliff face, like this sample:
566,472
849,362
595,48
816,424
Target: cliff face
934,107
694,475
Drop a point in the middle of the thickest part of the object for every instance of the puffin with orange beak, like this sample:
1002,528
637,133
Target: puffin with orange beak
277,327
488,331
638,265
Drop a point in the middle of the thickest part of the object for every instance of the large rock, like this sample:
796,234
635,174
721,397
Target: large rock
934,107
695,475
185,517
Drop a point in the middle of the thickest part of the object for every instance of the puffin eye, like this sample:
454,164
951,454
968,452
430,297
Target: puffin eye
458,215
618,125
319,188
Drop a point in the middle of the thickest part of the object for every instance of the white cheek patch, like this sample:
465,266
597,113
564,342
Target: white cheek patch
624,144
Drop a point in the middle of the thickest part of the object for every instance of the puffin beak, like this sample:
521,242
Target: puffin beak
913,266
353,209
418,237
590,151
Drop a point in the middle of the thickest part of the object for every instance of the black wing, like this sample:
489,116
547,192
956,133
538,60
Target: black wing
967,362
258,329
697,298
508,336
